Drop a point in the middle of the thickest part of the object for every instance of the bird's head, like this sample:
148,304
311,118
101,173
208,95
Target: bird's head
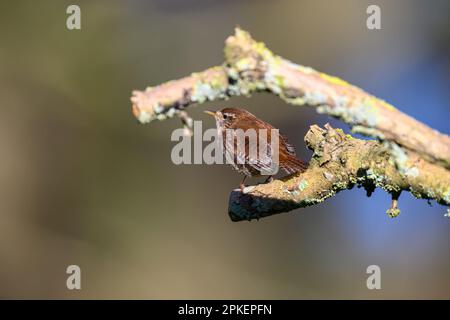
227,117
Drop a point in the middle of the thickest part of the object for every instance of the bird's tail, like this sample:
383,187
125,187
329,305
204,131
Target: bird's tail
293,165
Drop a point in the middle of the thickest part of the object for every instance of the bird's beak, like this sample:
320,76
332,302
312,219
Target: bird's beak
211,113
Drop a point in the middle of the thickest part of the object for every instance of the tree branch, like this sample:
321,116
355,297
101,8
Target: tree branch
418,156
250,66
340,162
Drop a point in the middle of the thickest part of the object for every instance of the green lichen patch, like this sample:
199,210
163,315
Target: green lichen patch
303,185
393,212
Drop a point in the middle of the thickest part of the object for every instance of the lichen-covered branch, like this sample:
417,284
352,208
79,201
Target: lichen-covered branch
168,99
340,162
407,156
249,66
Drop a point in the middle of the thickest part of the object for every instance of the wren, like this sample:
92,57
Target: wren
230,120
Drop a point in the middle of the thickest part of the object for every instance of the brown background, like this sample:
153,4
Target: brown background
82,183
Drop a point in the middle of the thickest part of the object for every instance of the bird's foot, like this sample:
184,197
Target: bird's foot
242,185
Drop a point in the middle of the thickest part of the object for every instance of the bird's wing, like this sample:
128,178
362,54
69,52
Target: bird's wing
283,140
249,156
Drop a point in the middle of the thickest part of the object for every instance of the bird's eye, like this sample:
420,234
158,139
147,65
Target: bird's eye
225,116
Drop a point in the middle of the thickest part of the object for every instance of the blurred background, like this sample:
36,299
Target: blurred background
81,182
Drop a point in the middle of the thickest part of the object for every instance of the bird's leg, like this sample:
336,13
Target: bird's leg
242,185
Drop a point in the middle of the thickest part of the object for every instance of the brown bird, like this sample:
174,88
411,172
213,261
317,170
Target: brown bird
243,157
